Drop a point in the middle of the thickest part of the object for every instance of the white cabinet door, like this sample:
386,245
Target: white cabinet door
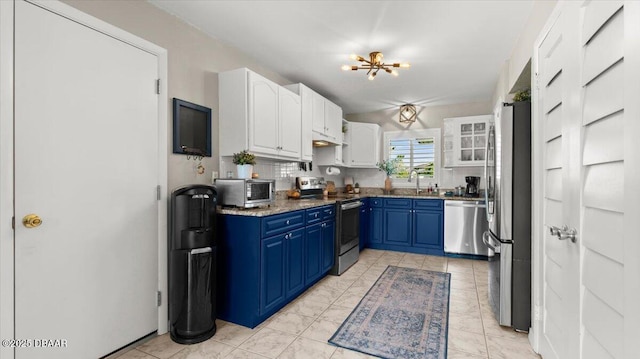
263,115
289,124
465,140
306,102
327,156
333,121
448,150
363,149
318,112
338,155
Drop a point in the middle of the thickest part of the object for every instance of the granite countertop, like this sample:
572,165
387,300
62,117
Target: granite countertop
289,205
281,206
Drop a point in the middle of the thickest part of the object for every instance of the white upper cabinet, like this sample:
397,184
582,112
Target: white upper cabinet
332,121
259,115
328,156
465,140
290,123
310,111
317,110
363,149
263,115
323,116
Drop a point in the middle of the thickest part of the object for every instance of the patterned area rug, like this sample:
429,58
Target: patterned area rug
404,315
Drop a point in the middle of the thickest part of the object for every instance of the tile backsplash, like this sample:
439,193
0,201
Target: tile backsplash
284,173
449,177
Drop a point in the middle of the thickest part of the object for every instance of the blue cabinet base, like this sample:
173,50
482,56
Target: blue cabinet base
408,249
263,263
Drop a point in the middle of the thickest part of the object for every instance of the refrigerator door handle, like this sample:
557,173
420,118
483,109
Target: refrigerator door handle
489,205
486,238
200,250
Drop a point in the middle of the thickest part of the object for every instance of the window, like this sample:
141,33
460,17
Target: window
414,150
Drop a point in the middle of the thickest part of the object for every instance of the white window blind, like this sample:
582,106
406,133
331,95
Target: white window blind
414,150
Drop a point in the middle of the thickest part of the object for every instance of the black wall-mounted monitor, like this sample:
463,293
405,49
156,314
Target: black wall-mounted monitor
191,129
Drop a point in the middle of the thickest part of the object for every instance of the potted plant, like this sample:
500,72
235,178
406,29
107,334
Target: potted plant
244,162
522,95
390,167
356,188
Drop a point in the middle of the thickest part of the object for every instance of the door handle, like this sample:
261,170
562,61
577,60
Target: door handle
564,233
489,242
31,221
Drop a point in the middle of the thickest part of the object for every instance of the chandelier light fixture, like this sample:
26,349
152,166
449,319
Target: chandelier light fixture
373,65
408,113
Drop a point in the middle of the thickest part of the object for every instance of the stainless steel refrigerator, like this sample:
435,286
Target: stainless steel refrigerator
508,204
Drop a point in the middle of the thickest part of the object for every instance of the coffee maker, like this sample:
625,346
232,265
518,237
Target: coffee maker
472,186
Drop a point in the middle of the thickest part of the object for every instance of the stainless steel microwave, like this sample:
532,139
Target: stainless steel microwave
246,193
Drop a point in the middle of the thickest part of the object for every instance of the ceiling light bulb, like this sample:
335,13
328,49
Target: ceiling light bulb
394,72
354,57
346,67
372,76
405,65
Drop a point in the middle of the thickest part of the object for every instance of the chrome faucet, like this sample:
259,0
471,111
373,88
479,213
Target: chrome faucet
418,190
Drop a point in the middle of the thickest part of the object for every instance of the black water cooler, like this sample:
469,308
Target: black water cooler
192,264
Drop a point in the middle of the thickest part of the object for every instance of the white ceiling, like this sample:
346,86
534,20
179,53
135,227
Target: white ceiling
456,48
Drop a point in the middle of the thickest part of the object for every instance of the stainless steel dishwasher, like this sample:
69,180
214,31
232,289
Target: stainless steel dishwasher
464,224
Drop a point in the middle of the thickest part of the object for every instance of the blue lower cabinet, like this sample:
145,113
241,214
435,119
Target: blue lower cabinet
397,226
295,263
313,252
427,229
404,224
328,245
272,272
364,223
376,226
266,262
282,268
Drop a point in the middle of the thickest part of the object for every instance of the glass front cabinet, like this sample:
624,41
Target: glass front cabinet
465,140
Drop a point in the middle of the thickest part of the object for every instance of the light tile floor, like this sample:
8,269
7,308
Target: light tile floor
301,329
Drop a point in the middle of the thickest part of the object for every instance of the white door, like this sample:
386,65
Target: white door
602,78
363,146
558,121
333,121
317,113
590,287
290,124
263,115
86,150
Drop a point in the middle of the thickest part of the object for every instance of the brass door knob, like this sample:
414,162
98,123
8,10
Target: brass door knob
31,221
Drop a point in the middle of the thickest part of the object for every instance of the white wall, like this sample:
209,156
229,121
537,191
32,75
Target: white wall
522,51
195,59
428,117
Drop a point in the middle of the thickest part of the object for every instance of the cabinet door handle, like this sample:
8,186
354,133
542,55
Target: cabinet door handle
316,215
288,222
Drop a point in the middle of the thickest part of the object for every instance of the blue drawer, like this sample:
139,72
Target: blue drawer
328,212
397,203
281,223
314,215
376,202
433,204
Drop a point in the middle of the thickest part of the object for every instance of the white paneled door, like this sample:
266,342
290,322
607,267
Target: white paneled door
561,257
581,124
86,163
